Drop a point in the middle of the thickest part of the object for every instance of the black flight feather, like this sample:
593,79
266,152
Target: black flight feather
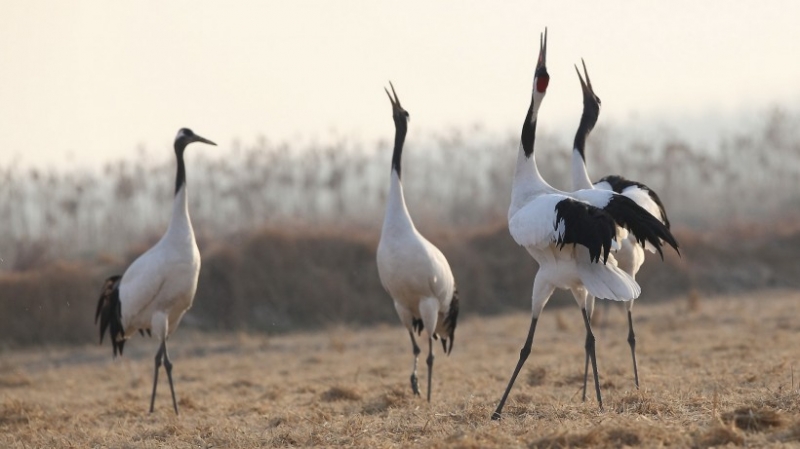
644,226
585,225
109,312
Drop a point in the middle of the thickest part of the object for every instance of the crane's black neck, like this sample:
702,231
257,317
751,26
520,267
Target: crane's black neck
528,133
591,111
401,128
180,178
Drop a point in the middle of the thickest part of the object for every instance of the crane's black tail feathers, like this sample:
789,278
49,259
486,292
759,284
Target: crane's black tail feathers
416,324
450,321
643,225
109,312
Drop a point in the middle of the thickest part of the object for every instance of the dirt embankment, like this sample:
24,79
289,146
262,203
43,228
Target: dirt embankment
276,281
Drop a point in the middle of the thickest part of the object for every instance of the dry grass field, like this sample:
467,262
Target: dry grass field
715,372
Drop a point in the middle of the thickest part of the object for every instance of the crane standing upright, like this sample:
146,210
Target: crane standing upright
159,286
631,255
411,269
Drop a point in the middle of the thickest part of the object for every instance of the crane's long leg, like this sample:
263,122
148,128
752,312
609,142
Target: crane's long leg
414,382
589,311
586,367
590,348
159,356
168,367
523,355
632,342
430,364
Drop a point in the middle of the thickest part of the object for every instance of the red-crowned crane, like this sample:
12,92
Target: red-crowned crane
412,270
630,256
159,286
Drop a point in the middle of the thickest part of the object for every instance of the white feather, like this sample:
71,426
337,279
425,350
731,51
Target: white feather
409,266
164,278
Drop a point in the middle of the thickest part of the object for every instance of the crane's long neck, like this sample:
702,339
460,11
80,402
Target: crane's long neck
401,128
180,177
397,218
180,225
528,182
591,111
580,177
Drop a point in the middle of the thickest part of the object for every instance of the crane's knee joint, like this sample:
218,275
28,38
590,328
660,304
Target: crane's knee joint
429,360
589,341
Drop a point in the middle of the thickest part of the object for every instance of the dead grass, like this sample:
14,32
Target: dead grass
718,376
754,419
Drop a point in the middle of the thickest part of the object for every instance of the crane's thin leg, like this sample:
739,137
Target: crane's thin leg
168,367
159,355
590,300
430,364
586,367
414,382
590,348
523,355
632,342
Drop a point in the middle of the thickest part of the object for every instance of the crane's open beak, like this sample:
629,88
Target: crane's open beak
203,139
585,85
395,101
542,50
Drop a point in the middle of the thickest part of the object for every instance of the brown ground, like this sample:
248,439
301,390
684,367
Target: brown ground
714,372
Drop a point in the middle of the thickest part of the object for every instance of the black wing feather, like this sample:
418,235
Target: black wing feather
585,225
644,226
619,184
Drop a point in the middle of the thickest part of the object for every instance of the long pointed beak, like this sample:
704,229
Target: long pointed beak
203,139
395,101
389,95
584,87
542,49
586,72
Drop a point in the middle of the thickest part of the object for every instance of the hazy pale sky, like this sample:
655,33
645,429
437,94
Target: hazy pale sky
93,79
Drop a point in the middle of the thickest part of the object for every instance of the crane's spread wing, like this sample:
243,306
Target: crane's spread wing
559,219
646,228
644,196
